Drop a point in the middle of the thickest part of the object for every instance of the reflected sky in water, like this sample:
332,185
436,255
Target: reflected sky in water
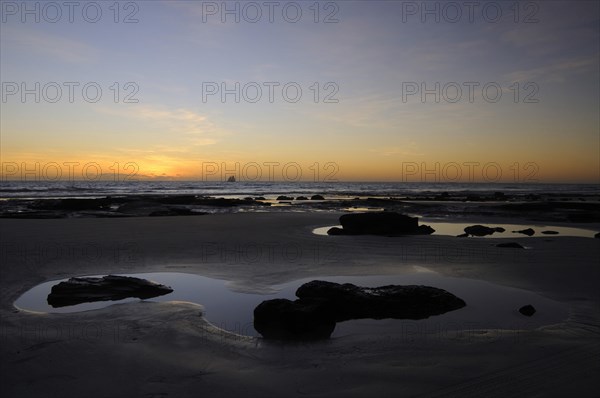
489,306
454,229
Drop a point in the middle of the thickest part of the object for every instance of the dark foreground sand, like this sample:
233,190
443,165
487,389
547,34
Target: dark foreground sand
150,349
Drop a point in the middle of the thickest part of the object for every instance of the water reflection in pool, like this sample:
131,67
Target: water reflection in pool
454,229
488,305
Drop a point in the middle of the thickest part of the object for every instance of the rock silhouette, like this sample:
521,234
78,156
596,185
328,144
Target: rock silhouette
380,223
107,288
527,310
528,232
482,230
321,305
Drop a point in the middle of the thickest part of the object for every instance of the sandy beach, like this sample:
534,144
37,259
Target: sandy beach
150,349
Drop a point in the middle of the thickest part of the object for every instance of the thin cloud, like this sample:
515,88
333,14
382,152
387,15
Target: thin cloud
60,48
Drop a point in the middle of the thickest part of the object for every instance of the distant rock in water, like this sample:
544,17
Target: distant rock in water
527,310
381,223
317,197
528,232
550,232
283,197
597,236
301,198
107,288
482,230
321,305
513,245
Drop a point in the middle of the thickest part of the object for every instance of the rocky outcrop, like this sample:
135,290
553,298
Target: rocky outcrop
317,197
106,288
380,223
482,230
321,305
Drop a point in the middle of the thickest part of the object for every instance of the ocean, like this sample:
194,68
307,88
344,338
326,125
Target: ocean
90,189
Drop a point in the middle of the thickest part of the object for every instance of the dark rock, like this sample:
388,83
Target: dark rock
513,245
107,288
283,319
283,197
317,197
379,223
321,304
462,235
597,236
72,204
425,230
528,232
481,230
260,198
136,206
527,310
335,231
500,229
301,198
177,199
550,232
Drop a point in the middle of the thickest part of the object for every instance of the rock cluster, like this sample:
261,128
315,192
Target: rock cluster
320,305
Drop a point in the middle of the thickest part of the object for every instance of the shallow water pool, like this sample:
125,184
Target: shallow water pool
489,306
454,229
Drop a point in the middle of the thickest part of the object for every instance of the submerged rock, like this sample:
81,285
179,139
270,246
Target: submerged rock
106,288
528,232
381,223
513,245
301,198
482,230
550,232
317,197
283,197
321,304
527,310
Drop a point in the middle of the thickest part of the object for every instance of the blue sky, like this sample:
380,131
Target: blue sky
368,56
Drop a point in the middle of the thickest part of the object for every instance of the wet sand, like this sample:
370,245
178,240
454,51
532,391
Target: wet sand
147,349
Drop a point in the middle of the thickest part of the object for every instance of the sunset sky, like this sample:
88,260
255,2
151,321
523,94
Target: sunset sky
367,58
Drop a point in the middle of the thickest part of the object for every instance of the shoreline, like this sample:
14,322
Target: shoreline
172,342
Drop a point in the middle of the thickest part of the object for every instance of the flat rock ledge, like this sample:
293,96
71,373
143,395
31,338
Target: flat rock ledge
320,305
106,288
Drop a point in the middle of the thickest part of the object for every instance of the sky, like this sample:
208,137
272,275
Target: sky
304,90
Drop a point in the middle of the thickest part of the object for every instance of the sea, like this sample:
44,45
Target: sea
90,189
